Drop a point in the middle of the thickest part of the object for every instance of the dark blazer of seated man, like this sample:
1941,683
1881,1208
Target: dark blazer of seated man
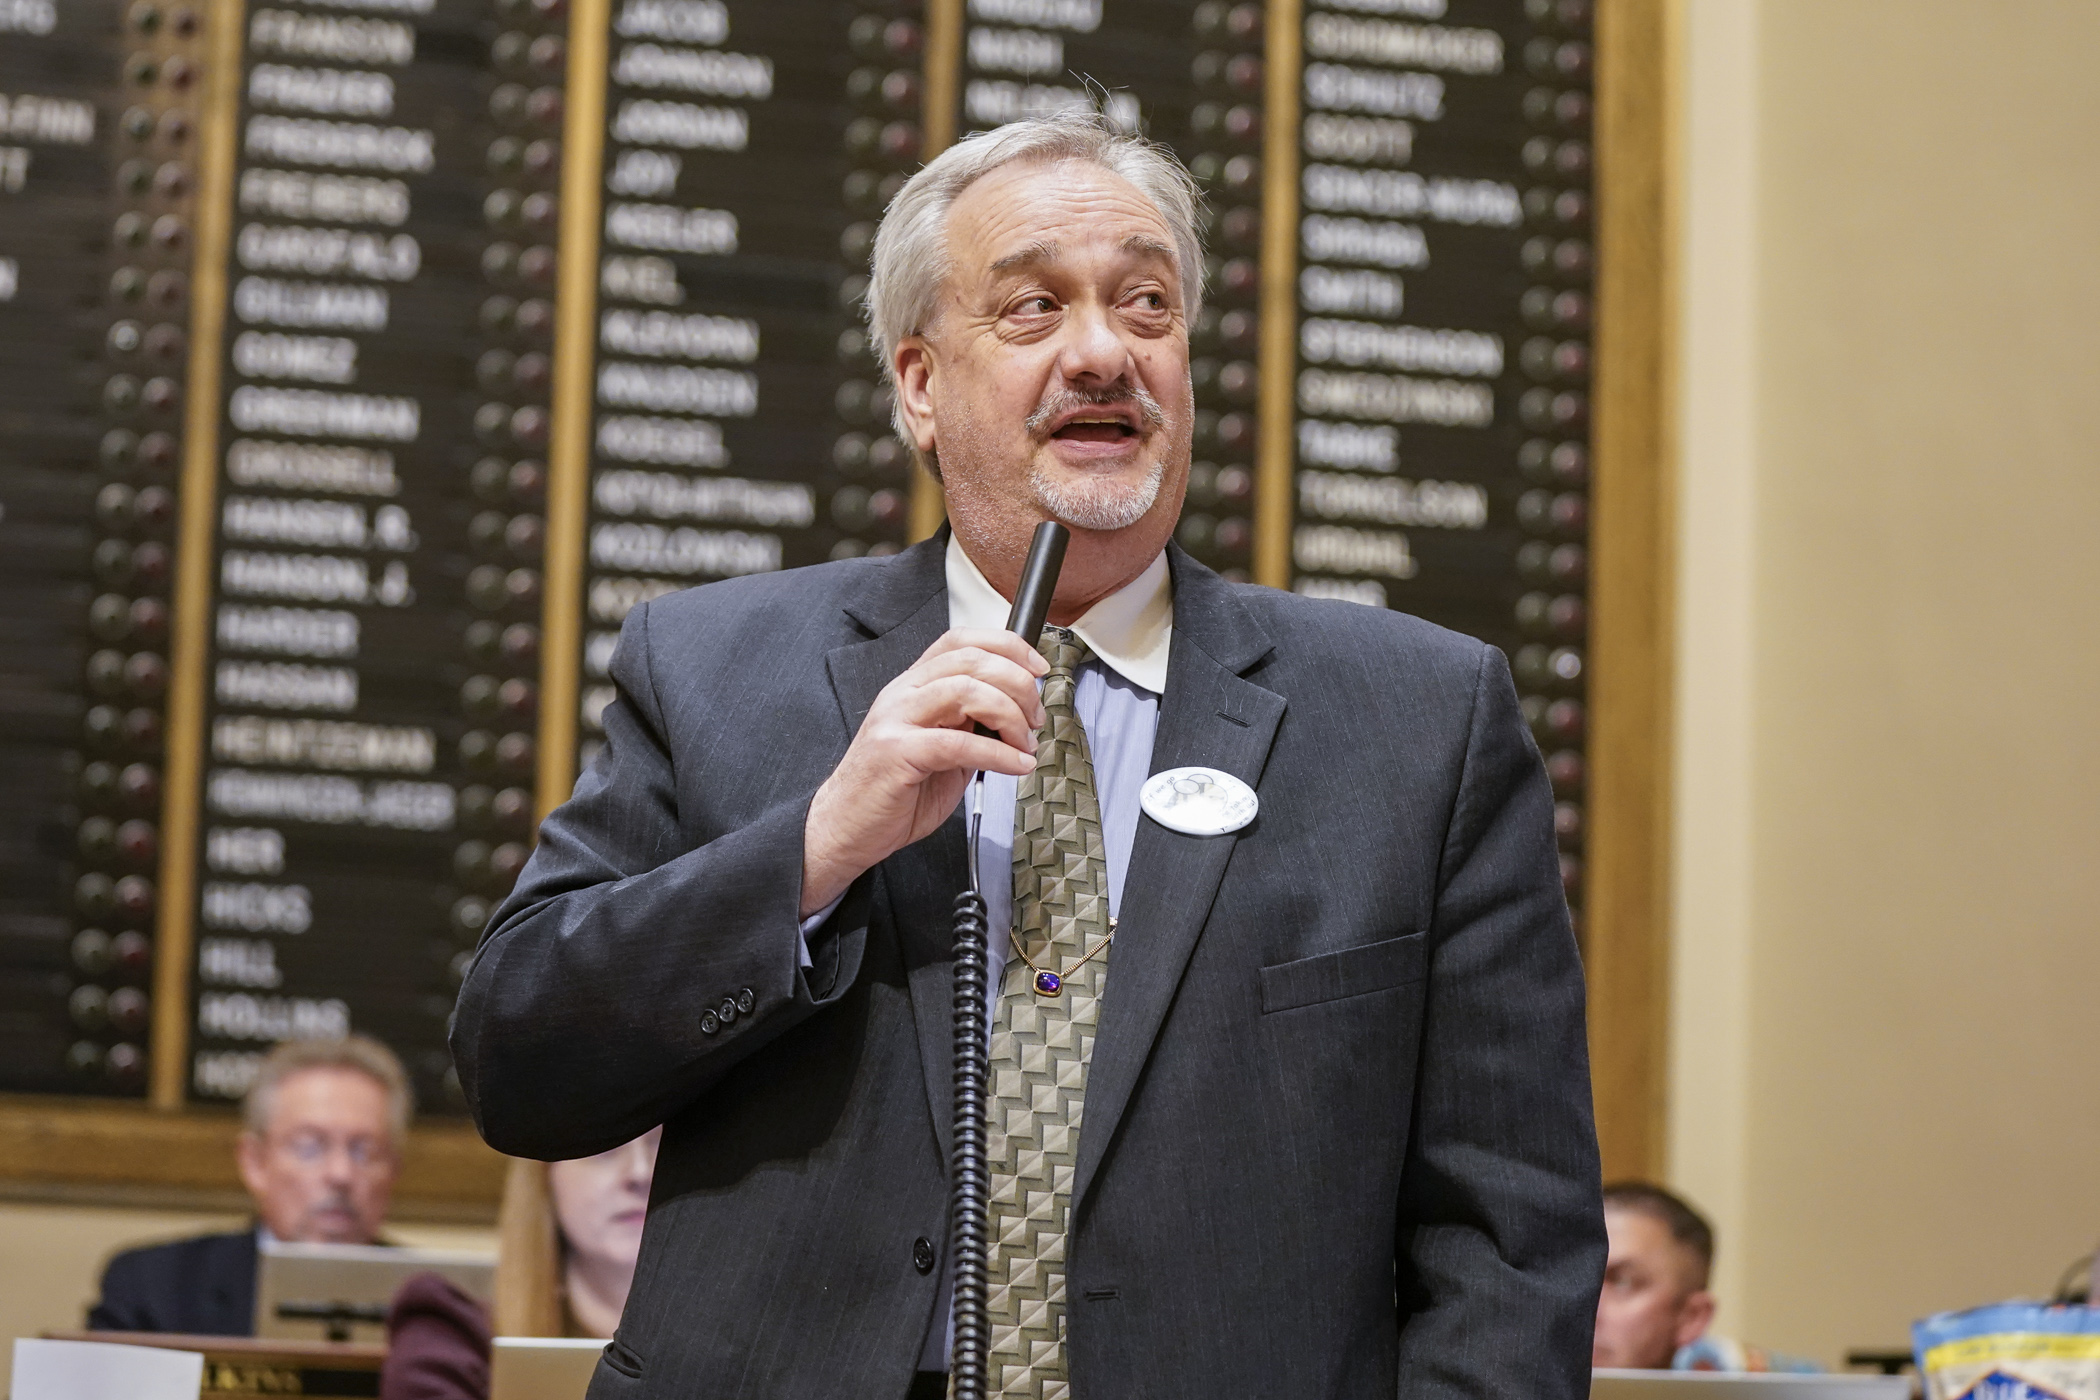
318,1151
1302,1110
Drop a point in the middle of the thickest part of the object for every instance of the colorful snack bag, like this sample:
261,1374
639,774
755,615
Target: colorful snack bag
2010,1351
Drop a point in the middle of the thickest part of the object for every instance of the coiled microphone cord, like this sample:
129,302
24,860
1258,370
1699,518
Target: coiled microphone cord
971,1180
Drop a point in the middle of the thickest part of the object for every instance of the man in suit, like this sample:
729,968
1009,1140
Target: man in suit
323,1124
1294,1110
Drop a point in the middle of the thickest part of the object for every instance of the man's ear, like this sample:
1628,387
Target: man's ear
248,1153
911,369
1694,1315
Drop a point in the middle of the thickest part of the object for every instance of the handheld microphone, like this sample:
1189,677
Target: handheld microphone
970,1176
1046,558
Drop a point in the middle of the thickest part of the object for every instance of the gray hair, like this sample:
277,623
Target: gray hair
353,1052
911,247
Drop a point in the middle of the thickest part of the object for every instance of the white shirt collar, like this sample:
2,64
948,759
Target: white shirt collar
1131,630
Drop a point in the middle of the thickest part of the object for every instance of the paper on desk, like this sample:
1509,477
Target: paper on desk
100,1370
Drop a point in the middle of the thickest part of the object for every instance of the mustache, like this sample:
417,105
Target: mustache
1061,400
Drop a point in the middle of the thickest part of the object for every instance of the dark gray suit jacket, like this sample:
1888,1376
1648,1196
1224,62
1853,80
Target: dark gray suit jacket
1338,1137
203,1286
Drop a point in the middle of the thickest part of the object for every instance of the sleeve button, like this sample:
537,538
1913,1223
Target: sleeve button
709,1023
745,1000
727,1010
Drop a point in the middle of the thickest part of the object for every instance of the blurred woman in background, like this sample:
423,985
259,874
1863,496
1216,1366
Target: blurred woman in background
567,1237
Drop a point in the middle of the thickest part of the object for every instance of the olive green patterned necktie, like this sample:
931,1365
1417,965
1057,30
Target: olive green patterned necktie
1043,1037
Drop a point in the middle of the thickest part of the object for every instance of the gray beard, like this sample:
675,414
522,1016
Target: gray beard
1098,505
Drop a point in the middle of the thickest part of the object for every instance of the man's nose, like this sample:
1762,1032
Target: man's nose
1093,352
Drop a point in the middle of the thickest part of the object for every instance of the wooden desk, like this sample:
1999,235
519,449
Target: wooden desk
243,1368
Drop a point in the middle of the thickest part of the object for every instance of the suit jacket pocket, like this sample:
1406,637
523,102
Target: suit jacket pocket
1351,972
620,1357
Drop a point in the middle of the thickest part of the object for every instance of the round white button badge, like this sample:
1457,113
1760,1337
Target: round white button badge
1198,801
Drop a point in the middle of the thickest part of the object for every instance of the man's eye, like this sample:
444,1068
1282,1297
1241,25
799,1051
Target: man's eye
1037,306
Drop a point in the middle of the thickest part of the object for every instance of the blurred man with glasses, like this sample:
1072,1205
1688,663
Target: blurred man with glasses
320,1144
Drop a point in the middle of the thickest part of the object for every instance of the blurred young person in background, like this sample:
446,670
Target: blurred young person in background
1656,1308
321,1139
567,1238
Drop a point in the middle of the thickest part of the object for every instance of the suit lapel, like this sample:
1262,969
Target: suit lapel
1212,716
906,614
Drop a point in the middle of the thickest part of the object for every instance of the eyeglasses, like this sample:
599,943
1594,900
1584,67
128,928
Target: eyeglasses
310,1149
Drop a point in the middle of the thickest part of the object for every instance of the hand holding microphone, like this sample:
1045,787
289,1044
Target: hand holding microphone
968,703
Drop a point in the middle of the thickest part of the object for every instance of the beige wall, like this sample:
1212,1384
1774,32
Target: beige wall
1887,968
51,1256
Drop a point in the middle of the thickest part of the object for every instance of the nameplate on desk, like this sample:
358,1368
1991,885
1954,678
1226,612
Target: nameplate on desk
240,1367
231,1376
